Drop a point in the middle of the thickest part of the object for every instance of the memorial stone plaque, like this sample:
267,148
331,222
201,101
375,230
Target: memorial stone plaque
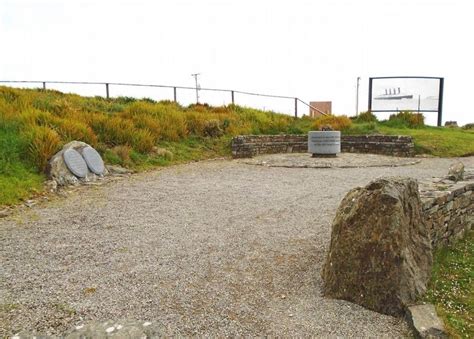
324,142
75,163
93,160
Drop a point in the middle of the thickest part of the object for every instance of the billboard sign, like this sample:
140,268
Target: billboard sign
406,93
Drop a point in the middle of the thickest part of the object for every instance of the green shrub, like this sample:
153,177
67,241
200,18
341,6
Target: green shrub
362,128
18,178
406,119
173,125
124,100
195,123
9,94
337,123
120,154
151,101
12,145
44,142
366,117
149,123
213,129
71,129
112,158
143,141
114,130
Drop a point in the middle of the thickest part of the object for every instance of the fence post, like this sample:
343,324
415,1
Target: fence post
107,90
296,107
44,85
174,94
233,101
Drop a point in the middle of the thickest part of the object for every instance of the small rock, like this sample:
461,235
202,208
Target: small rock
115,169
162,152
456,171
425,321
30,203
327,128
5,213
51,186
110,329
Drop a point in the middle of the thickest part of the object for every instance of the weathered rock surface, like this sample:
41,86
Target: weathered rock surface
58,171
117,170
456,171
5,212
380,252
425,321
109,329
116,329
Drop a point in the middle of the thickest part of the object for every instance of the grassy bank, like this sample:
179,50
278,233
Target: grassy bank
138,134
141,134
451,287
437,141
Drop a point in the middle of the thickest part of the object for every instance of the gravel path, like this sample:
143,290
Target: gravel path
217,248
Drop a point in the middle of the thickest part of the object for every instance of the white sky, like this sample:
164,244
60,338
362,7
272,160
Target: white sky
314,50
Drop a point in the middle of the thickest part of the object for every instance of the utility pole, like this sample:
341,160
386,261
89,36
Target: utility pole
195,75
357,97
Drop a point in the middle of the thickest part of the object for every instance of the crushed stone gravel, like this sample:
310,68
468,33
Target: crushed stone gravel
218,248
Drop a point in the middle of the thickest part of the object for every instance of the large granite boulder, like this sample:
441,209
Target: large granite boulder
380,252
60,173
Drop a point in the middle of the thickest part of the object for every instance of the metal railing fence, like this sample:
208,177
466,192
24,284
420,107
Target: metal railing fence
175,90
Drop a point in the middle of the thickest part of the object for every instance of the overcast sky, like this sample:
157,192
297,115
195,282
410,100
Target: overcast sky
314,50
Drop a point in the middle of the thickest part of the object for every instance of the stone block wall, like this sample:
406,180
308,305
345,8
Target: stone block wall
448,208
395,145
247,146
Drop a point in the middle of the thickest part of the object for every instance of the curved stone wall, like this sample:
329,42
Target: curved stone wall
247,146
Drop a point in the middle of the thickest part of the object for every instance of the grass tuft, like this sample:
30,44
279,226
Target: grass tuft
44,142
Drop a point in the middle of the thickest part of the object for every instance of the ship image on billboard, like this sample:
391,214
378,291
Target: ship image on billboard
395,94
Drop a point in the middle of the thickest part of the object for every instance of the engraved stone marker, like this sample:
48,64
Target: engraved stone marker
75,163
93,160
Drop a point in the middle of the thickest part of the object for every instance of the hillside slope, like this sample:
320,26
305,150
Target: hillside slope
140,134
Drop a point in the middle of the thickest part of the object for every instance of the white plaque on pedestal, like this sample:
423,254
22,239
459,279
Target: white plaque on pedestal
324,142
